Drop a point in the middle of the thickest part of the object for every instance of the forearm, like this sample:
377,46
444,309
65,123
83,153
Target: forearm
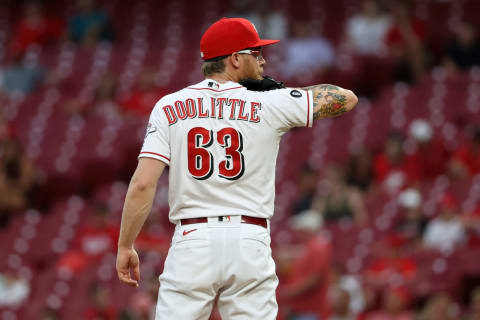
331,101
138,204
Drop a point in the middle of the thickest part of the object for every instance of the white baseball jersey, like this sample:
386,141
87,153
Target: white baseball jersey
221,142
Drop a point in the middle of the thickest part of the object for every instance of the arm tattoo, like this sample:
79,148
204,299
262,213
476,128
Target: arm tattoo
331,103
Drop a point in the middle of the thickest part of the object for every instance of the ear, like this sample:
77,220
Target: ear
235,60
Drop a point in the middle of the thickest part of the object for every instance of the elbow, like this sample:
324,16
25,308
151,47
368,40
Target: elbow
352,101
140,185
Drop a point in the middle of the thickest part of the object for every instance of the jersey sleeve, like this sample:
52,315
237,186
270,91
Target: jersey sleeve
287,108
157,137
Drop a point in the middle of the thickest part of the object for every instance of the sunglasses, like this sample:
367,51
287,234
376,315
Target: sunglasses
257,53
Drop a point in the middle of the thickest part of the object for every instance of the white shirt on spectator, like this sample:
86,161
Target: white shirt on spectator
367,34
443,234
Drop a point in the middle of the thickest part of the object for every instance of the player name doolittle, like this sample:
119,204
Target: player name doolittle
219,108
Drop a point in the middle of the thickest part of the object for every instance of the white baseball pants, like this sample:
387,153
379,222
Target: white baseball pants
228,260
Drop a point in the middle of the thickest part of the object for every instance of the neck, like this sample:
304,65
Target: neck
223,77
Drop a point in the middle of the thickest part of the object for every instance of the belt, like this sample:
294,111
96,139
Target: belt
245,219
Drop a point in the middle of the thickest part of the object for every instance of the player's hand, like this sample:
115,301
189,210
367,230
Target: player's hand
127,260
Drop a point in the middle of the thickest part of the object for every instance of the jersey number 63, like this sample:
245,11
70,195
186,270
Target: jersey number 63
200,160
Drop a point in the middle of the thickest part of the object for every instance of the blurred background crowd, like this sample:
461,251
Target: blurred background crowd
377,212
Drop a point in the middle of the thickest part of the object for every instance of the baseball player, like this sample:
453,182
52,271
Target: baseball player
221,142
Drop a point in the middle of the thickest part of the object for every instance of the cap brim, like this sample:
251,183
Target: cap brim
263,43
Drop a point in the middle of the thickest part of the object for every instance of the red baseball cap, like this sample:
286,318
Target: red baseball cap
229,35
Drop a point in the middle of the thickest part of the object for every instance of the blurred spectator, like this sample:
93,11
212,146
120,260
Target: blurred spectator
366,30
404,40
304,291
142,303
392,263
340,301
423,147
392,168
96,238
464,51
351,284
394,306
446,231
17,178
34,27
307,53
49,314
307,183
340,201
466,160
13,289
438,307
101,306
270,23
471,222
412,222
474,313
90,24
359,170
23,75
104,100
144,97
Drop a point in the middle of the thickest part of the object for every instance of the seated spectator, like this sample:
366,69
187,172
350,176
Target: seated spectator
424,146
21,76
270,23
464,51
350,283
465,161
304,291
104,100
340,201
142,302
101,306
90,24
412,222
17,178
359,170
474,312
13,290
307,53
96,238
35,27
391,263
439,307
366,30
392,168
143,98
394,306
446,231
307,185
49,314
339,300
471,222
404,40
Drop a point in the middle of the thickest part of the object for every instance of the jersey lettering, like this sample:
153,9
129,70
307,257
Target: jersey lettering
171,115
192,109
242,116
233,103
180,108
253,112
201,113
